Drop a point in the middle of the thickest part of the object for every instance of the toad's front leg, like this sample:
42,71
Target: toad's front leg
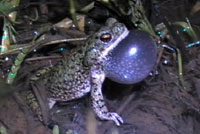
98,104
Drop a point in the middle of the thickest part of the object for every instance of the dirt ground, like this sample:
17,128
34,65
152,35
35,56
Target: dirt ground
157,105
155,108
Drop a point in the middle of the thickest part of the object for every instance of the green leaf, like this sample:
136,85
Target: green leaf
5,8
187,28
56,129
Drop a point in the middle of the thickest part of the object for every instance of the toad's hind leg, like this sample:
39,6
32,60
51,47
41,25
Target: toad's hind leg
97,100
38,102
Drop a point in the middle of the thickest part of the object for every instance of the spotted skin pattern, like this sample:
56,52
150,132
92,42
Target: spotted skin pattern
82,72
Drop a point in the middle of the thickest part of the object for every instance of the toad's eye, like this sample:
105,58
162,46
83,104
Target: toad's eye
105,37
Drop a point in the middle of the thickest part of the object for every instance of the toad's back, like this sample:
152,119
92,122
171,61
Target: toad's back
69,79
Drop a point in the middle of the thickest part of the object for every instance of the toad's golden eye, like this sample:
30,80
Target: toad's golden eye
105,37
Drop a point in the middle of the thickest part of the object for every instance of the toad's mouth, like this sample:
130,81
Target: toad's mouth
119,39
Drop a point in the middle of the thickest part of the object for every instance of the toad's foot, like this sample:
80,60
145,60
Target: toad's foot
97,100
114,117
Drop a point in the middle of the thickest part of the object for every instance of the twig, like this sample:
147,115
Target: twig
43,58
